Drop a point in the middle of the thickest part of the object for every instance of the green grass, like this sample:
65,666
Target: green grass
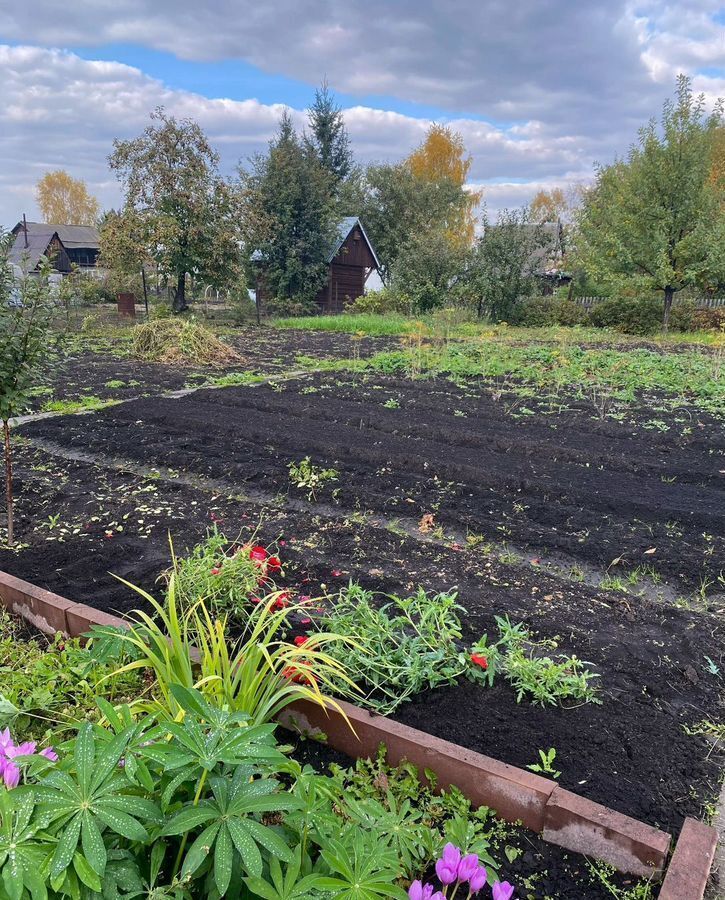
438,325
687,377
369,324
74,406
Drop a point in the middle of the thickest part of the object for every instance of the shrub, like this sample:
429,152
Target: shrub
708,319
405,646
183,342
681,315
286,306
630,315
386,300
225,576
538,311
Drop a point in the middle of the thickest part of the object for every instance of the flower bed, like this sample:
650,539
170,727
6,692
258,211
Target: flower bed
686,877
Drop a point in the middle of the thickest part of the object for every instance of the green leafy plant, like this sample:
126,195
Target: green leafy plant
531,667
545,766
53,685
219,571
309,477
398,649
259,673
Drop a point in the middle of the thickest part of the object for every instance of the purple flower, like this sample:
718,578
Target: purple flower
6,741
10,773
25,749
467,867
502,890
420,891
447,865
438,896
478,879
49,753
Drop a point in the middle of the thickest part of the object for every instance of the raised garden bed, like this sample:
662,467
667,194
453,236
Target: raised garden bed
564,818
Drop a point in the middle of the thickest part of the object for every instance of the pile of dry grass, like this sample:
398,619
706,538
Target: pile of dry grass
181,342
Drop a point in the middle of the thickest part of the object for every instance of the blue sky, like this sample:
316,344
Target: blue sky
538,91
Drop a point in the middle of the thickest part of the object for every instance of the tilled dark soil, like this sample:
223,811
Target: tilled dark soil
567,481
118,376
630,753
595,489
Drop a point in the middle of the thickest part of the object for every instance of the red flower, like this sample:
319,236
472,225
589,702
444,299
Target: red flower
255,600
336,573
216,570
293,674
479,660
258,554
274,564
300,640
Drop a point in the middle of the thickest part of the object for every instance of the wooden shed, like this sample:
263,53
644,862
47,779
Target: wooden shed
351,261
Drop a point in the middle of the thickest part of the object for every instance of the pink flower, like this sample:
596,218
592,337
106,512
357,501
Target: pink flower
447,865
420,891
467,867
10,773
502,890
216,570
49,753
478,879
336,573
26,749
6,741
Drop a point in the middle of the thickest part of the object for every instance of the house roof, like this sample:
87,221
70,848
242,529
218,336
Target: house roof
40,234
71,236
27,257
343,231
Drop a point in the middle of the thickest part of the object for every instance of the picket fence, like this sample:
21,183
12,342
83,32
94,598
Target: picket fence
700,302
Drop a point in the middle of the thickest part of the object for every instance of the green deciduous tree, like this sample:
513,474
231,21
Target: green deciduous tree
26,315
656,216
429,269
504,264
398,207
177,211
288,216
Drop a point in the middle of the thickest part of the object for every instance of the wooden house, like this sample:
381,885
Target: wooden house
64,245
350,263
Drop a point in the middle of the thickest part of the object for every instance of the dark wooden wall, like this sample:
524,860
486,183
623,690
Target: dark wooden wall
346,276
347,273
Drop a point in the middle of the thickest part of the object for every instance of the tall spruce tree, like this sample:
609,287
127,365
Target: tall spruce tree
329,136
288,214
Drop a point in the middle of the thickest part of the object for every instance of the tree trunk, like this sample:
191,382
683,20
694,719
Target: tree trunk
180,294
8,480
669,294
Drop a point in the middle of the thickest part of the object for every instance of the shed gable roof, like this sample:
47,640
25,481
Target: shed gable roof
343,232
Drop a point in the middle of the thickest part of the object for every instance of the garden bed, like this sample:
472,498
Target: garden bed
549,475
101,367
650,654
537,867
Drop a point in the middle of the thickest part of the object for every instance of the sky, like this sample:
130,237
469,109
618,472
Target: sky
540,90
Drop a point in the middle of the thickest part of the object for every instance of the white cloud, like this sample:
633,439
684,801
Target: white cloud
60,111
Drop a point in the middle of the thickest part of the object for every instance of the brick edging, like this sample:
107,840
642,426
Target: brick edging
540,804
